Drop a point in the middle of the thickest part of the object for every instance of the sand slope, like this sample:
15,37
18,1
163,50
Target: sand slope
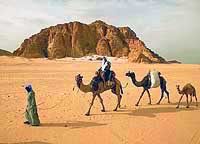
62,110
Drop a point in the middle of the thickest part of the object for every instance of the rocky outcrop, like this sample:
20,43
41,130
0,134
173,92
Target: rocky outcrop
5,53
76,39
174,62
141,54
103,47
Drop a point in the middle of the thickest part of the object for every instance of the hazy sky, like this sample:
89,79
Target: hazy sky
169,27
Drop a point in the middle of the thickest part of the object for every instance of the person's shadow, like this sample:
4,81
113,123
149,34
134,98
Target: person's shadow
72,124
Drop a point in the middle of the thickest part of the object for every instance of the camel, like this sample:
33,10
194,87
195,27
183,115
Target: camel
145,83
101,88
188,89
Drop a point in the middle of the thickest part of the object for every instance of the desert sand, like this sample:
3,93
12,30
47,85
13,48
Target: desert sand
62,110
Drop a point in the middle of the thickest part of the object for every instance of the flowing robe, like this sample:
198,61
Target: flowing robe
31,110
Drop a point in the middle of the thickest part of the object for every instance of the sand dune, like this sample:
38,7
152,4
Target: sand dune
62,110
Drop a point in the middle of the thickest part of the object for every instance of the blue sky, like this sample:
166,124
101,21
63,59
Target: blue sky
169,27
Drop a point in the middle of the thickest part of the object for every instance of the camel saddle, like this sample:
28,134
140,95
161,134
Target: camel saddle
154,78
109,77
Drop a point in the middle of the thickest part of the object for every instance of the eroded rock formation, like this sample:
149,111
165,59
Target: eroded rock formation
76,39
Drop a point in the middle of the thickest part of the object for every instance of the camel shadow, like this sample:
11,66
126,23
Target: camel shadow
31,142
184,103
73,125
150,112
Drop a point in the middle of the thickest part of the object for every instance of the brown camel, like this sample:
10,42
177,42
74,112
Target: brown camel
101,88
188,89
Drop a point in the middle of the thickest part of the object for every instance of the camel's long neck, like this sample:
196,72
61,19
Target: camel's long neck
135,82
179,91
85,88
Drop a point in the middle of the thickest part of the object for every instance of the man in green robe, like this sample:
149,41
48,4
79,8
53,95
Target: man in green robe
31,109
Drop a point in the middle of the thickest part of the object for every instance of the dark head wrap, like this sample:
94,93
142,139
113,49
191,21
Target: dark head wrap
28,88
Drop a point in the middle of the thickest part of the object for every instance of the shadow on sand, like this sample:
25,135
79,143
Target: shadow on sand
152,111
31,142
184,104
72,125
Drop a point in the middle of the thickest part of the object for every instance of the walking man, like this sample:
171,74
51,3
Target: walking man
31,109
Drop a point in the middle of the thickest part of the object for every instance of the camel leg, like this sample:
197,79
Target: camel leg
190,99
179,101
101,101
187,101
196,100
91,104
118,102
167,95
149,97
161,97
118,93
164,89
140,98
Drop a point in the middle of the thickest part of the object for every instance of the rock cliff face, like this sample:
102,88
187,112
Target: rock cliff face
5,53
76,39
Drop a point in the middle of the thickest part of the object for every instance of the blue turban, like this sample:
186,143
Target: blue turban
28,88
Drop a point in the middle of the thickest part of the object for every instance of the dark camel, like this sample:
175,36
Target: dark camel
188,89
101,88
146,84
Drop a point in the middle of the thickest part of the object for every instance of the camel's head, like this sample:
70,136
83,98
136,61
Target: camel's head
78,79
130,74
177,86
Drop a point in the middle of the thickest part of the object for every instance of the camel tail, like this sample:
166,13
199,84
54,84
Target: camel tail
125,85
121,89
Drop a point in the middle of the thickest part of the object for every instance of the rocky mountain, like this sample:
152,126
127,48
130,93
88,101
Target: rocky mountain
5,53
76,39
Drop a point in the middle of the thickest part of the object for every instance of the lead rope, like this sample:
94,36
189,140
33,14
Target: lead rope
19,118
54,105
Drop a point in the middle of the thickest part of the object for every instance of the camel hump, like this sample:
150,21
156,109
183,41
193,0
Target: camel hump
155,79
188,86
